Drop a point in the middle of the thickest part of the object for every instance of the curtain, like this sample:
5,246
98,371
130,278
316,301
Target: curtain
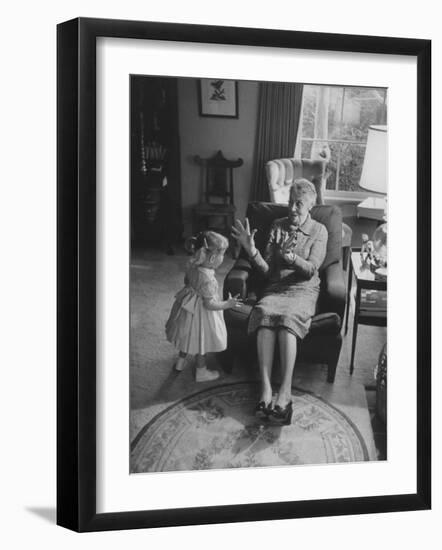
279,110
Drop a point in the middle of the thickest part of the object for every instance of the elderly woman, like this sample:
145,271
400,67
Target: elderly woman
295,250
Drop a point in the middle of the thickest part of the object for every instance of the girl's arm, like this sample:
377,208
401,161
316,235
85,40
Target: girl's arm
208,290
215,304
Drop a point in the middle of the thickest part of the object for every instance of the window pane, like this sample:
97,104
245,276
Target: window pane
309,110
362,107
306,149
332,165
350,169
334,112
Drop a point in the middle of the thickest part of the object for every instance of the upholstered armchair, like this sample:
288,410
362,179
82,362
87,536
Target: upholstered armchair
323,342
281,173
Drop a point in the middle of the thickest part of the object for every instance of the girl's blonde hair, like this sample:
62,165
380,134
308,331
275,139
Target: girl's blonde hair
205,243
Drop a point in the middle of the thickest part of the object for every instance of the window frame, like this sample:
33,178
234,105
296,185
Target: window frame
336,195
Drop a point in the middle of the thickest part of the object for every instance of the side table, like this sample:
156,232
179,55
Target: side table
366,312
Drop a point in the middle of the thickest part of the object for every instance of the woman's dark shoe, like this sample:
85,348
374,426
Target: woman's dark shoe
282,415
262,410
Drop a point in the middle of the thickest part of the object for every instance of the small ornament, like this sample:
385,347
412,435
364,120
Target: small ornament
367,249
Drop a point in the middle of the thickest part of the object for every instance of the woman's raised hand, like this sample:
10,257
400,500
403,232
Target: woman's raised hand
244,236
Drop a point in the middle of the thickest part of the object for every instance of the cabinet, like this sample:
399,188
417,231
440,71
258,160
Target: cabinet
156,217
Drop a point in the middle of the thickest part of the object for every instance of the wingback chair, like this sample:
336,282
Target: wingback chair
323,342
281,173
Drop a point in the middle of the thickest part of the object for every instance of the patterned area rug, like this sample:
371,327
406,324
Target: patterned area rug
216,428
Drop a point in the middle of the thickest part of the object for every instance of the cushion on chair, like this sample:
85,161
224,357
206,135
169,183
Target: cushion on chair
237,320
262,214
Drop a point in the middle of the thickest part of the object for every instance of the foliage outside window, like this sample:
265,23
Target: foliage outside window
335,122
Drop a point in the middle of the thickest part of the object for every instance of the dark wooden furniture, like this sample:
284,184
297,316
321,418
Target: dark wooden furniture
367,312
216,210
156,218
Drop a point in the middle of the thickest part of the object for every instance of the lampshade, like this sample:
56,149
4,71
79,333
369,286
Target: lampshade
374,171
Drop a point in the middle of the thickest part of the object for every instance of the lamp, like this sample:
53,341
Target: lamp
374,178
374,171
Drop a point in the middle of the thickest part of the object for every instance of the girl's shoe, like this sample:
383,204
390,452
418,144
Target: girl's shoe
282,415
203,374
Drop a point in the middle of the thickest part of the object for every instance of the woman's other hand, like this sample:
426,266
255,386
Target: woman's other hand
244,236
288,256
286,251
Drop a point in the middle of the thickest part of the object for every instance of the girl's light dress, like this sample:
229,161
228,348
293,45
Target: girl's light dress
191,327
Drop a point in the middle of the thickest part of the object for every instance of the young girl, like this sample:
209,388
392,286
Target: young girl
196,323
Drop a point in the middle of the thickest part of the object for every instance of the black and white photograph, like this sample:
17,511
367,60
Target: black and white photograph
258,274
202,207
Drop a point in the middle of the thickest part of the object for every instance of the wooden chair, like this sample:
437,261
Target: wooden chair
216,211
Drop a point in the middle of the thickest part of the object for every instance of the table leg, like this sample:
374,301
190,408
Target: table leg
355,328
350,277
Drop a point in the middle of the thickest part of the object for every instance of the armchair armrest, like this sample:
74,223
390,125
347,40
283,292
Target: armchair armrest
236,281
333,291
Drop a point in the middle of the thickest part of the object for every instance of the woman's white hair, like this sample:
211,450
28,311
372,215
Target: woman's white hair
304,187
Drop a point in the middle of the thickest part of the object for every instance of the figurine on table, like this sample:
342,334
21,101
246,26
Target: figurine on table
373,257
367,249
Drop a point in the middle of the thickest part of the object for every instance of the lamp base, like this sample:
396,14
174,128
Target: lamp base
380,274
372,208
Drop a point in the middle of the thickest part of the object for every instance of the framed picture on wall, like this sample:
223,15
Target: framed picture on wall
218,97
144,439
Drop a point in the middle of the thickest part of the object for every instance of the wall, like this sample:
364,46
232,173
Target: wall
204,136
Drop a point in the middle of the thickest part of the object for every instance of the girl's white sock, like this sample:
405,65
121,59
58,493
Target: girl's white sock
180,364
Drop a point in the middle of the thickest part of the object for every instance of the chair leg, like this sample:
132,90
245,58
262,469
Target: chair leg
226,359
353,344
333,361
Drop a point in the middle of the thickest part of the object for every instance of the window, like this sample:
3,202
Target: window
335,122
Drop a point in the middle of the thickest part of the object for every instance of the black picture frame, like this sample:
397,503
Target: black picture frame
77,288
205,109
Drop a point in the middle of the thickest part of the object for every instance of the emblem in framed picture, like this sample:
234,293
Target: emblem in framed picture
218,97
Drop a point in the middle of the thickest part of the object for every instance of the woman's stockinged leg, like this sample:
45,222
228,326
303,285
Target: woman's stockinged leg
266,347
287,352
